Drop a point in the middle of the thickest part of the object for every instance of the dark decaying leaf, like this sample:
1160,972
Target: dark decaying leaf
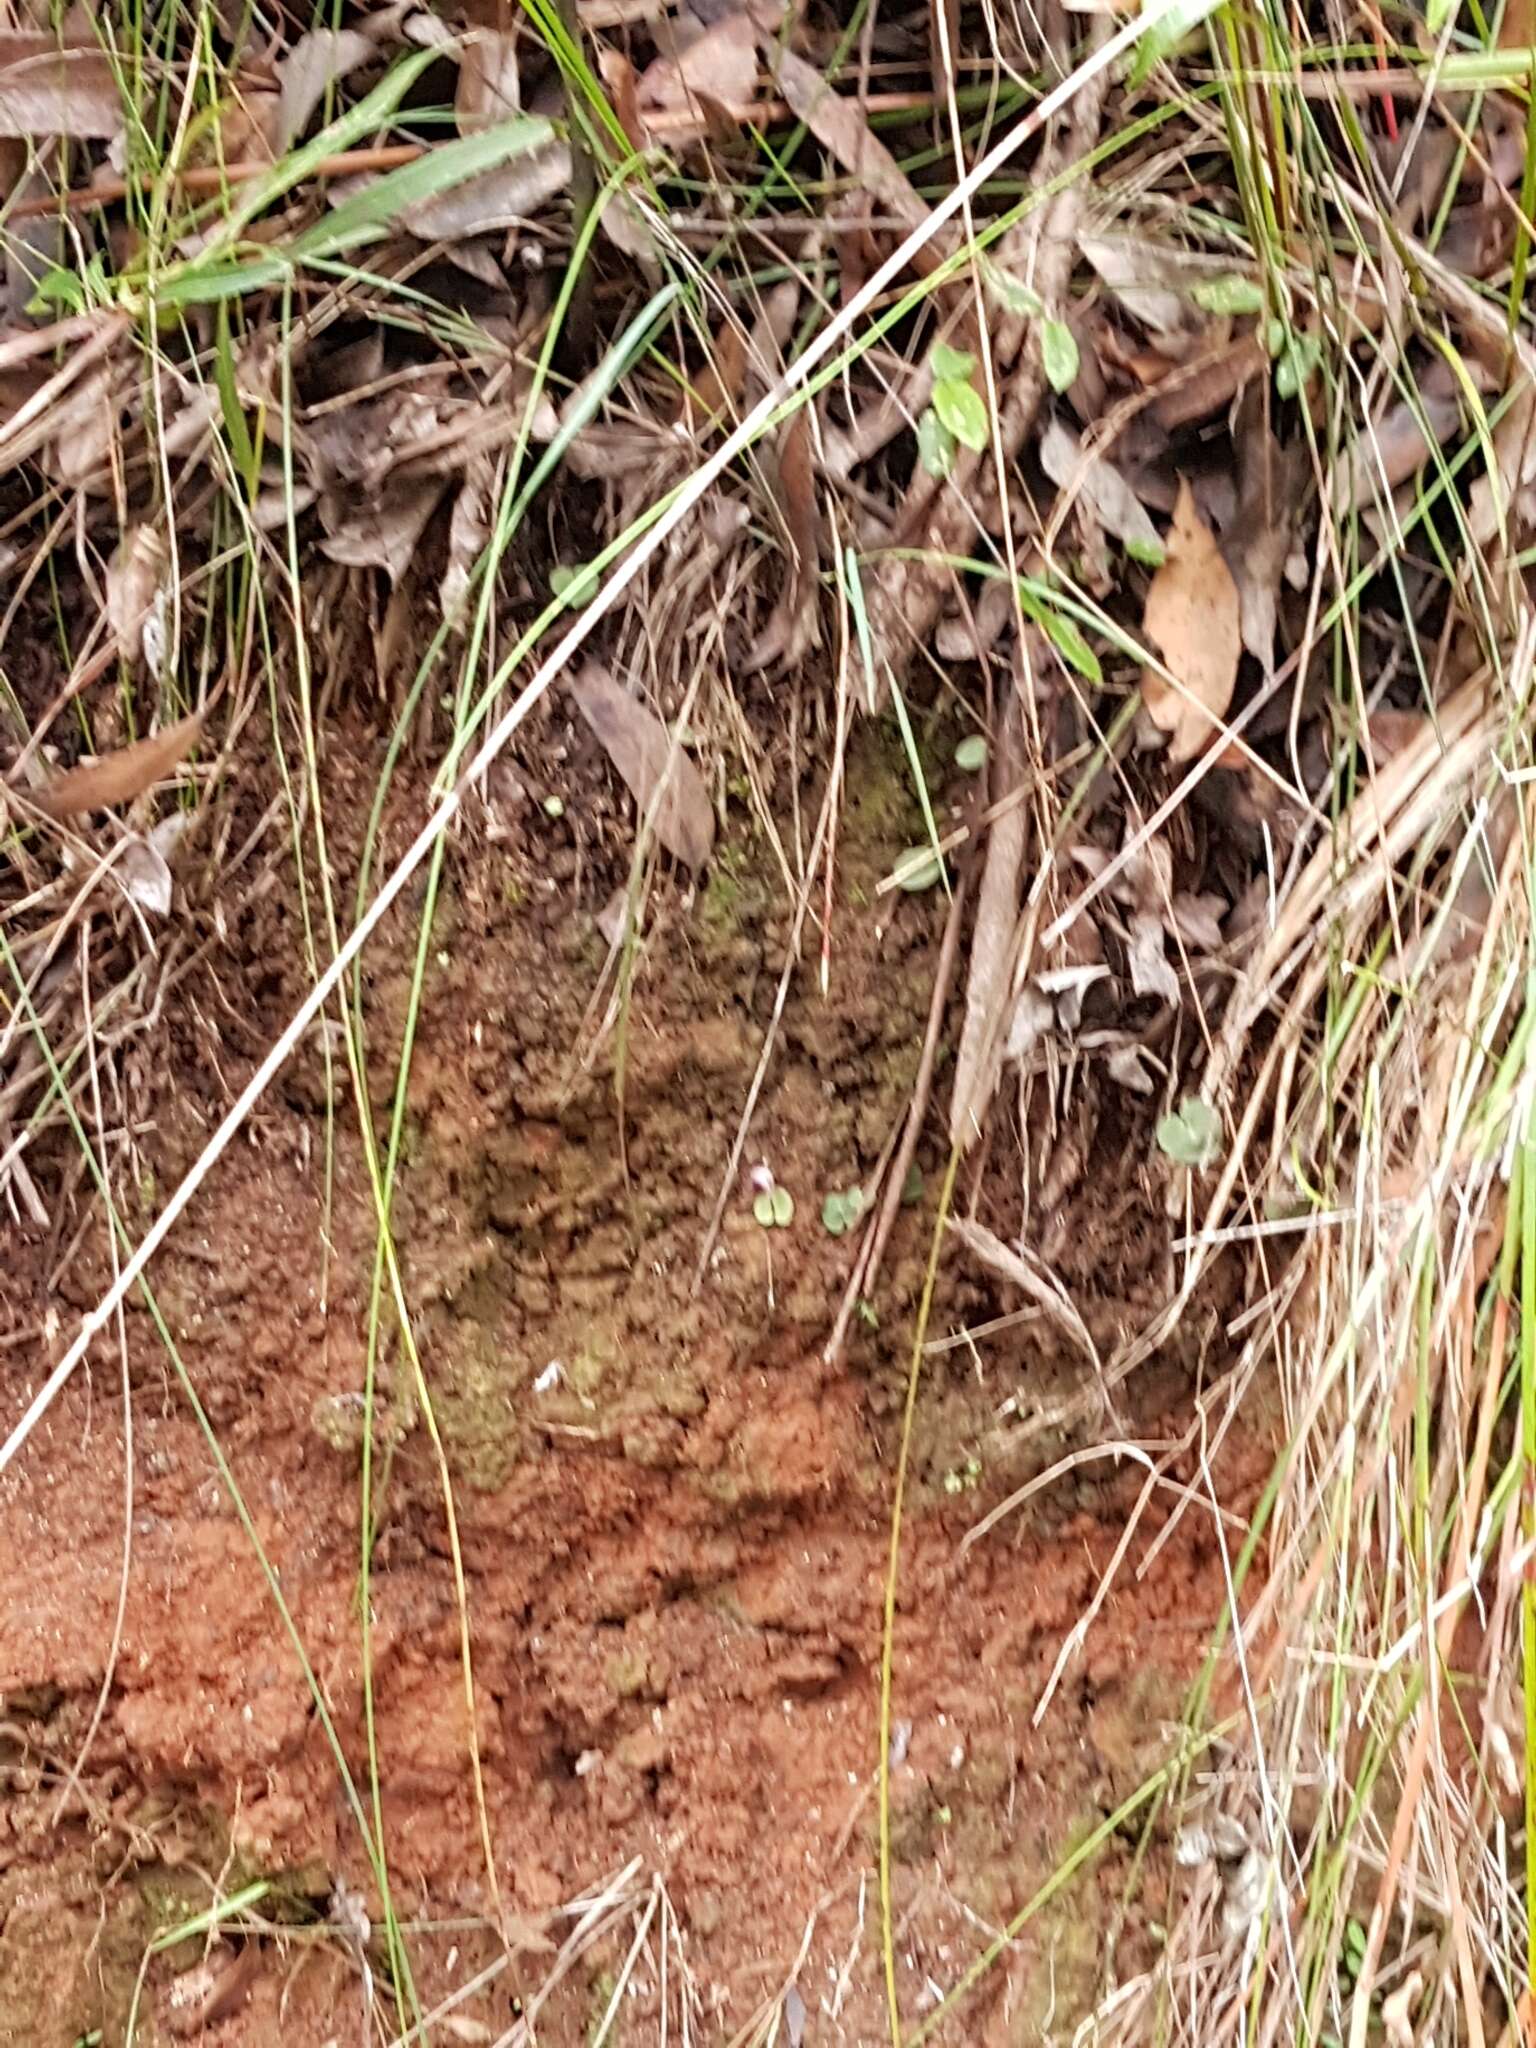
49,88
381,532
119,777
1258,540
661,778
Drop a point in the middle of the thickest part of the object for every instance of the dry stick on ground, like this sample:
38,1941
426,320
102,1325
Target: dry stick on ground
904,597
866,1267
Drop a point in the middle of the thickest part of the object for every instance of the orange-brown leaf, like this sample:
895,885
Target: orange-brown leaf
1192,619
119,777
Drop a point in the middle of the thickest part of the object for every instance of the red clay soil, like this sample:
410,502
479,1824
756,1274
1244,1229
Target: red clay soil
674,1516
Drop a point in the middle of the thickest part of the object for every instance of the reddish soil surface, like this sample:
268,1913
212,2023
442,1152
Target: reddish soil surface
673,1514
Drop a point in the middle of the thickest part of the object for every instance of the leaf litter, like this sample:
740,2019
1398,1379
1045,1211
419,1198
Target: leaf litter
1159,436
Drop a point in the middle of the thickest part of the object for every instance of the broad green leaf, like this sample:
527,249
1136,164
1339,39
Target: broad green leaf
935,444
1229,295
1058,352
1152,552
963,410
1191,1136
951,364
1014,294
1294,370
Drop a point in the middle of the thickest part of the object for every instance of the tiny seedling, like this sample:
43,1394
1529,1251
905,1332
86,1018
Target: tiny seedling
957,414
963,1478
971,754
840,1211
774,1208
1191,1134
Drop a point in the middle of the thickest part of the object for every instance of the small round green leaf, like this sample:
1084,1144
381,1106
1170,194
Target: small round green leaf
1228,295
1191,1136
762,1208
1058,353
971,754
963,410
1014,294
935,444
919,868
782,1203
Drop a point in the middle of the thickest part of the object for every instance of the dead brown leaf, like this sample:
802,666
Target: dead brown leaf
839,125
308,71
1098,485
717,70
661,778
490,84
979,1060
1514,446
52,88
1192,619
379,532
1258,540
119,777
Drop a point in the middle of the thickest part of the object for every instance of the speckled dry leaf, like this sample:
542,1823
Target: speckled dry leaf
661,778
118,778
49,88
1192,621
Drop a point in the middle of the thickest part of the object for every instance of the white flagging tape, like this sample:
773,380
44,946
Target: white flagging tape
549,668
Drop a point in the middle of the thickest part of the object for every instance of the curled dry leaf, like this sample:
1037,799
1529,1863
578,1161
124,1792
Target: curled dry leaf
1192,620
468,531
119,777
1032,1278
792,625
661,778
134,578
48,87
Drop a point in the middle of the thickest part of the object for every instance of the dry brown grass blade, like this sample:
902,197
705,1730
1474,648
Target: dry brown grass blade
792,625
990,976
119,777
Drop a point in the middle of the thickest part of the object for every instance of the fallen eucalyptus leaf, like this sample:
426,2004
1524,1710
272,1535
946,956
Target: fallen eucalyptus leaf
661,778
